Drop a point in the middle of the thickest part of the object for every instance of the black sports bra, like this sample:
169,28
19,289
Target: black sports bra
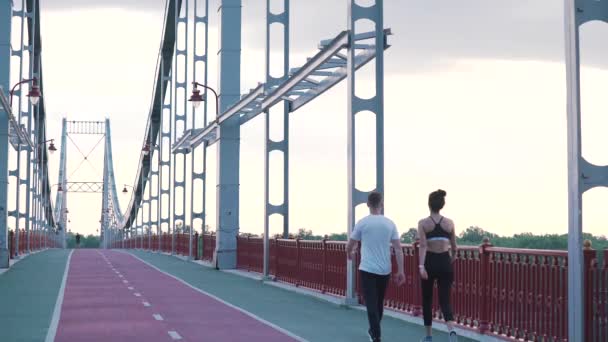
438,233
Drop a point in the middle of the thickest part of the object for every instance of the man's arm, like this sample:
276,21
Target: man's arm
398,256
353,241
351,247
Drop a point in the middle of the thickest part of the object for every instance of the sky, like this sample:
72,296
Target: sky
474,104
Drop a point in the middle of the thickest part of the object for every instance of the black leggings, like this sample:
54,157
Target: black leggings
438,266
374,288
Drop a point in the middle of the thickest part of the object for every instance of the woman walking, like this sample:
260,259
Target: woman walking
437,252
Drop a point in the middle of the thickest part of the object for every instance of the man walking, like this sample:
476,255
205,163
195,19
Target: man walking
377,234
77,240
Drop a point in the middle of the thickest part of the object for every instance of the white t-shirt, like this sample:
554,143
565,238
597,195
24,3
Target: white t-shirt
375,233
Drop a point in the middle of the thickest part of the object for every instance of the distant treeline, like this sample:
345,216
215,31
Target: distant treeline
473,236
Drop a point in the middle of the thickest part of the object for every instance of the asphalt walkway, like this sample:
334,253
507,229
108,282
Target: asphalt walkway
142,296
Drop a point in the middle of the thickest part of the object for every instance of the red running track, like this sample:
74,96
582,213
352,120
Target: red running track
113,296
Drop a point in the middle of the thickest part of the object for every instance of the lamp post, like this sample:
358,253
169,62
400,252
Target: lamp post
124,189
196,98
59,187
34,99
34,93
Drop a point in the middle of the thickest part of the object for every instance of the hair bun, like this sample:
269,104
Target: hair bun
441,192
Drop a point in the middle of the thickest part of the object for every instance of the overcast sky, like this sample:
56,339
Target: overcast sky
474,104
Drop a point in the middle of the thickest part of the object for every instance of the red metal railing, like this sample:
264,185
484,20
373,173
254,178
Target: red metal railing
11,243
598,290
524,294
319,265
250,253
208,247
515,293
519,294
38,241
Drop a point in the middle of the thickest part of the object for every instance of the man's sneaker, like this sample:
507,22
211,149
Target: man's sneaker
453,337
427,339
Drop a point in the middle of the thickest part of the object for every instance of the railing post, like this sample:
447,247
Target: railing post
11,244
324,287
247,251
276,257
417,303
588,259
485,287
195,246
297,273
203,245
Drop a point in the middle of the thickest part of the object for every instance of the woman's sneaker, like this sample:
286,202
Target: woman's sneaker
453,337
427,339
371,338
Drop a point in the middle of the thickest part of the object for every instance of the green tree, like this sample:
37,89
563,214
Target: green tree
338,237
410,236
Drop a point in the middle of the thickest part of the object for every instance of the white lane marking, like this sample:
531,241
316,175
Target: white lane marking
130,288
120,276
286,332
158,317
137,294
146,304
50,335
174,335
125,281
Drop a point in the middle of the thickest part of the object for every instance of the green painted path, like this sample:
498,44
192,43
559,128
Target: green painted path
307,317
28,292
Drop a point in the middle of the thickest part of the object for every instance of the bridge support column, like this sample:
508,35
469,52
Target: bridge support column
228,145
582,175
357,105
6,15
271,145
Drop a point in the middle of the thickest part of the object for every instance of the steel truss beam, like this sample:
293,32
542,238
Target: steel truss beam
319,74
86,127
84,187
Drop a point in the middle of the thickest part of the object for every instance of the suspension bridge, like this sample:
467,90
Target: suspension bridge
161,275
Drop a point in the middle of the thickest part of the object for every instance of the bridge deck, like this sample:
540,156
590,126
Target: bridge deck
115,296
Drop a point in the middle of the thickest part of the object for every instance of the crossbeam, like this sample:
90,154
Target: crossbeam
84,187
86,127
320,73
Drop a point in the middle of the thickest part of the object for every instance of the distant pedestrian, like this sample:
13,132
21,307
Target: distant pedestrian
77,240
376,234
437,253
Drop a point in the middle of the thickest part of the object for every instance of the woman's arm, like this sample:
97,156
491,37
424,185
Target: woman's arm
454,249
422,251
